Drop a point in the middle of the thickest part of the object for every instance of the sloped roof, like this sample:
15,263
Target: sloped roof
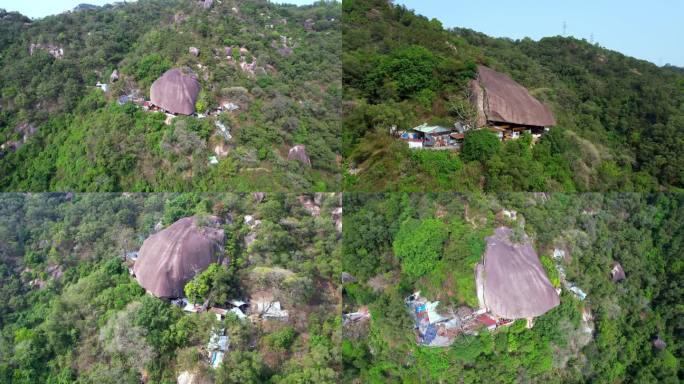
264,304
515,283
486,320
176,91
424,128
499,98
172,257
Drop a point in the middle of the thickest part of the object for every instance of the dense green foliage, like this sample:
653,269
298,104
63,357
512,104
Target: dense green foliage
642,232
480,145
418,245
84,141
73,314
197,289
618,117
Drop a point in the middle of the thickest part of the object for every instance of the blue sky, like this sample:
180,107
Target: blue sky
649,30
42,8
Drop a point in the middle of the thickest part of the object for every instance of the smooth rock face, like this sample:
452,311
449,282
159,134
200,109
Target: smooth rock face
170,258
309,24
176,91
186,378
498,98
298,152
515,283
337,218
617,273
258,196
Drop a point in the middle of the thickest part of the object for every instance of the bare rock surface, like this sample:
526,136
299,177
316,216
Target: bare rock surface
515,283
499,98
298,153
176,91
170,258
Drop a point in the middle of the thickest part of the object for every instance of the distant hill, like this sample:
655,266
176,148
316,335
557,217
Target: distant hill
674,68
276,67
85,7
619,118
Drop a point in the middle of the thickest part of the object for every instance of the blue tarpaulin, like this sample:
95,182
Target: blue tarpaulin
430,334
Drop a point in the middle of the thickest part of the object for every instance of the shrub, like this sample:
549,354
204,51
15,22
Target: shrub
419,245
480,145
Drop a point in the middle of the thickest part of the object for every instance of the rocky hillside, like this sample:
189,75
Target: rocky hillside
269,80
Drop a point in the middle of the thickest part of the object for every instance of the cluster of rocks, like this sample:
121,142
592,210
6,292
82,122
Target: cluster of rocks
337,218
312,204
53,271
54,50
230,52
253,225
25,130
284,47
249,67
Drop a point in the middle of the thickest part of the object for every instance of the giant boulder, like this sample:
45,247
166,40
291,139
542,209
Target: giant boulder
176,91
514,284
170,258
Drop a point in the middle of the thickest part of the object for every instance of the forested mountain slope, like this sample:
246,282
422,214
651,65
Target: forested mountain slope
279,64
71,313
398,243
619,119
